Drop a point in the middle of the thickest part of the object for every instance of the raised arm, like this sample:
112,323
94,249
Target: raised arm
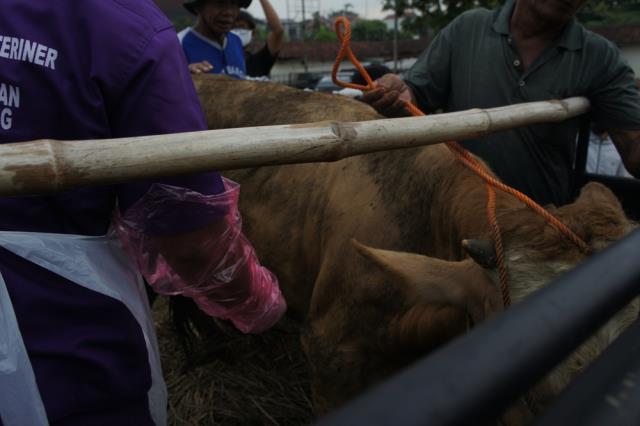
276,34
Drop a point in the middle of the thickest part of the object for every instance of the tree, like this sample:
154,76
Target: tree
414,24
436,13
325,34
364,30
609,12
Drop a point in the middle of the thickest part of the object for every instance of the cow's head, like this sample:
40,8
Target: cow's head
535,254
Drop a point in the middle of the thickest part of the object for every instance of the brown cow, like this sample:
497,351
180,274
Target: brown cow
371,311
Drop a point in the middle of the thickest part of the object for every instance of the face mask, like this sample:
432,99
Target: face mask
244,34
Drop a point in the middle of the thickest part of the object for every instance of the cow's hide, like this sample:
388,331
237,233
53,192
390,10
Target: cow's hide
368,249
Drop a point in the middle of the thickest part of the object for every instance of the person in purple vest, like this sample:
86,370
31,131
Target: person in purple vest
210,46
77,346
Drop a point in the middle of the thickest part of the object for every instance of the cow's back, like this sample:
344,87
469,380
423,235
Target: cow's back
231,103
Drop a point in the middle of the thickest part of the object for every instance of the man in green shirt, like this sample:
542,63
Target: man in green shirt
528,50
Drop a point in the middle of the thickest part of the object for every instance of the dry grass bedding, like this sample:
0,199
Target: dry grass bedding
228,378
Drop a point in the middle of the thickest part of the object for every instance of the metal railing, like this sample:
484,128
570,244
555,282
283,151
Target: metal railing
476,377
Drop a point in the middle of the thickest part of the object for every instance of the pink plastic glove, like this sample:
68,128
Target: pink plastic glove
192,244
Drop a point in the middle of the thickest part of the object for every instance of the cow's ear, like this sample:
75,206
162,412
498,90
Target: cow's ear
593,195
594,199
430,280
595,215
409,267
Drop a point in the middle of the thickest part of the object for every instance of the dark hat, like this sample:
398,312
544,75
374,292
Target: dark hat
248,18
190,5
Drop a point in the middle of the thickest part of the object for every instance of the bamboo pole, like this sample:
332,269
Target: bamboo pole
49,166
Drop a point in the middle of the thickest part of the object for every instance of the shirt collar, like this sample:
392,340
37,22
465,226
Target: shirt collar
572,37
502,18
209,41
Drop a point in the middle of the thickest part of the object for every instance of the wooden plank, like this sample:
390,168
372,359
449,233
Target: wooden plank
49,166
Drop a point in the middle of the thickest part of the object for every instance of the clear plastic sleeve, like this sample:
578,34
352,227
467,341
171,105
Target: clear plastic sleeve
191,244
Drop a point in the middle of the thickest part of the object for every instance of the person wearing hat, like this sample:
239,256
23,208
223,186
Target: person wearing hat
259,64
210,46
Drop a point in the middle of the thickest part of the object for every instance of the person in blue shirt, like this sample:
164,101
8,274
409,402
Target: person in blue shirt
210,46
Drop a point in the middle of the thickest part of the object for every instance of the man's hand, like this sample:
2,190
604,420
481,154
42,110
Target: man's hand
200,67
389,96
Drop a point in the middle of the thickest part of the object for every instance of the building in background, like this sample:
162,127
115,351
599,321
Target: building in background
311,46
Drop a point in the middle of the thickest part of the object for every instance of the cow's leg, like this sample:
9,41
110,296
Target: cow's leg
335,358
345,363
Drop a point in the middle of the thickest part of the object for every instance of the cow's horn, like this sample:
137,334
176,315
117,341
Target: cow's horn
482,251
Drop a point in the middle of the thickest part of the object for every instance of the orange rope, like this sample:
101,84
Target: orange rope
463,156
345,50
497,237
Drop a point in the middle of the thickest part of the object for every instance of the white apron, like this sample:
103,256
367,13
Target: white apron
96,263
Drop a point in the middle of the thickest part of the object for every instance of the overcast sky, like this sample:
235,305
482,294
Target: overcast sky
371,9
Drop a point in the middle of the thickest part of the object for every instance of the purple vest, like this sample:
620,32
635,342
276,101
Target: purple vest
83,70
